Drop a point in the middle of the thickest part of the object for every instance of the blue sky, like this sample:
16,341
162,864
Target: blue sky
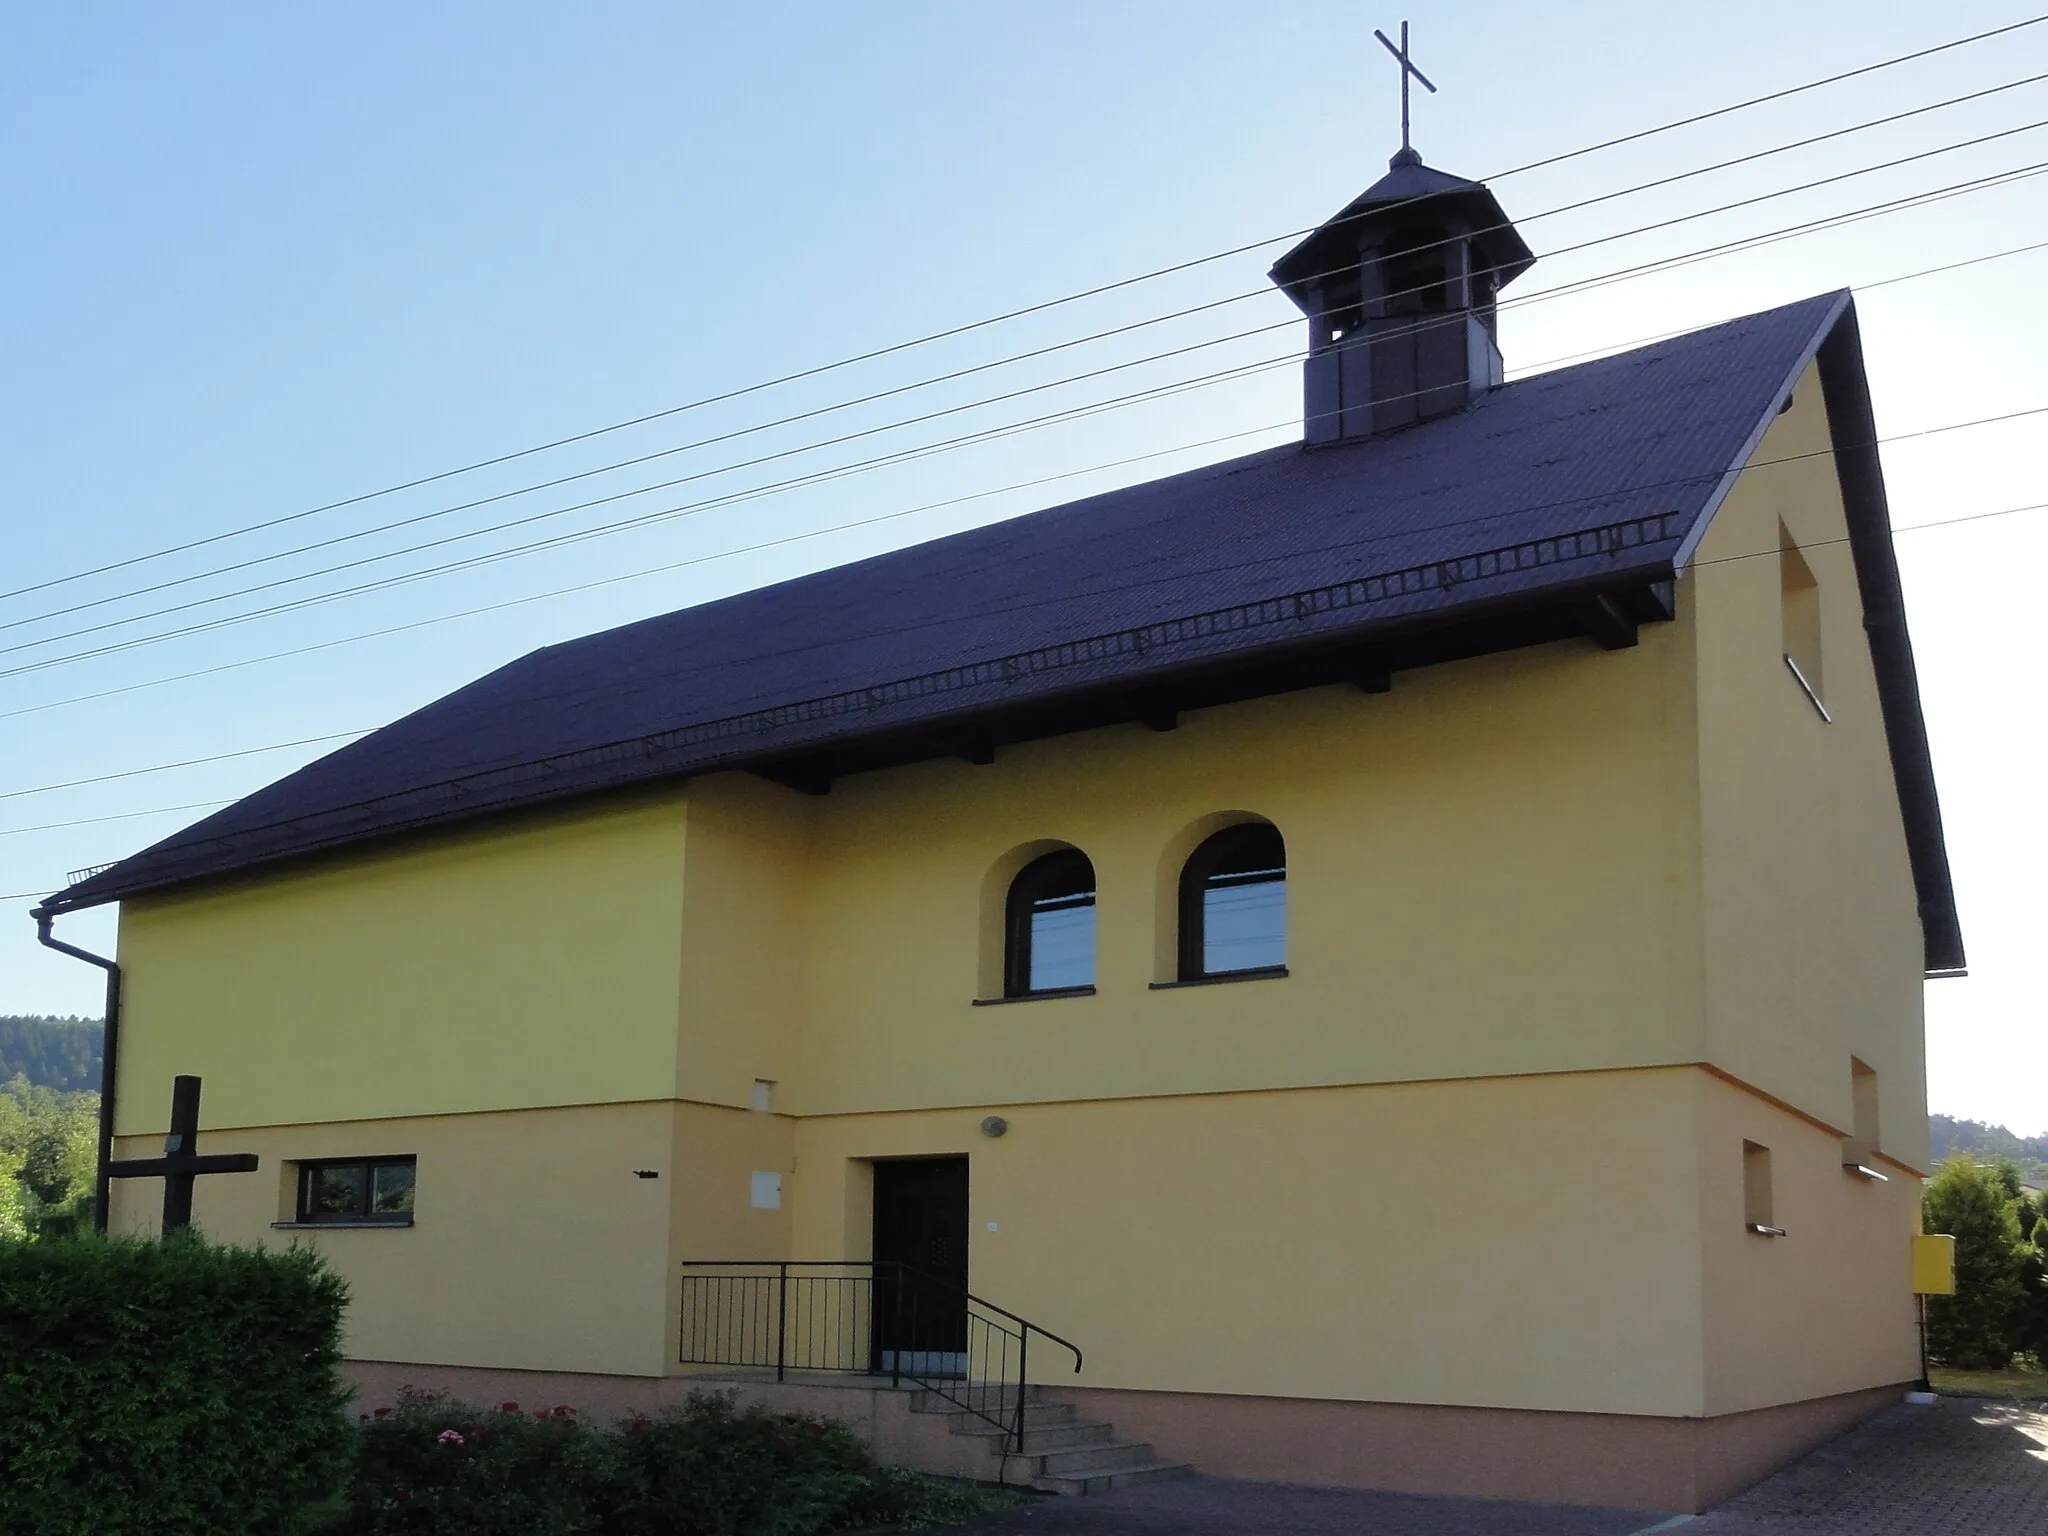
264,258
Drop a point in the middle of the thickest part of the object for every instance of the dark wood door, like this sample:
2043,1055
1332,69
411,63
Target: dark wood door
921,1224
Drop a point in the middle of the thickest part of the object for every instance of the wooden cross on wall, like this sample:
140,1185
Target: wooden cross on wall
181,1162
1407,69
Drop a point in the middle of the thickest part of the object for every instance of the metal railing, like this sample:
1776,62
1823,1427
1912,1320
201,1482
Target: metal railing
866,1317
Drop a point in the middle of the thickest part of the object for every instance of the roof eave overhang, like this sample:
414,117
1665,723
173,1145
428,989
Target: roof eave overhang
1852,424
1837,348
1604,605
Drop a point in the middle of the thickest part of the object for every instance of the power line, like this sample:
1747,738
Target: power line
190,762
886,517
1014,314
642,680
1264,291
1757,554
641,520
90,821
1760,554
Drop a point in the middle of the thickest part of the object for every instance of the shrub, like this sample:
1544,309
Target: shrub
706,1469
1980,1326
435,1465
167,1388
711,1469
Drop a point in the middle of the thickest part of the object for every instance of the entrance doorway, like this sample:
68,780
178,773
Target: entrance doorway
921,1225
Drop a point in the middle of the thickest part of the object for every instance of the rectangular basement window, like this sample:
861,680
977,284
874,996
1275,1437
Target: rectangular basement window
357,1192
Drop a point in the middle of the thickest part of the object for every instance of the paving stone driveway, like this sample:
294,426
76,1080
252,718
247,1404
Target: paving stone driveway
1223,1506
1957,1468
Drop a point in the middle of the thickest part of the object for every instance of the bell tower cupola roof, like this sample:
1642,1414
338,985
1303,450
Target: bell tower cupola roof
1410,193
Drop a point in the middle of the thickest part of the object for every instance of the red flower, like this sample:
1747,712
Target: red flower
541,1414
639,1424
508,1407
380,1412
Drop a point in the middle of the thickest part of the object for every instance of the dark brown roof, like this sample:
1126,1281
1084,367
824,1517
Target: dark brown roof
1496,525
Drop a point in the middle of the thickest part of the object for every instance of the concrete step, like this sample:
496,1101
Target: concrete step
1107,1481
1040,1439
1109,1456
997,1406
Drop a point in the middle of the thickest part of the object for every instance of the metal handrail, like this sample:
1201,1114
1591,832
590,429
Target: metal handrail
1009,1416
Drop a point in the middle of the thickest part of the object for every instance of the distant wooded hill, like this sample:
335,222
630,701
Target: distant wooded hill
63,1054
1948,1134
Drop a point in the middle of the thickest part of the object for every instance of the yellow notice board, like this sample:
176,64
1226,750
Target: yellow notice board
1934,1265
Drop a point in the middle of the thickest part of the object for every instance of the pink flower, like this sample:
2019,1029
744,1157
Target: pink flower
450,1437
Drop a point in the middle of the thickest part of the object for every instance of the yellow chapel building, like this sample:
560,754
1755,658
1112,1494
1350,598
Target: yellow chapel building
1394,960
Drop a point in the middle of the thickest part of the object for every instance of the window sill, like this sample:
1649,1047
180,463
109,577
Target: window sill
1263,973
1034,997
346,1226
1812,697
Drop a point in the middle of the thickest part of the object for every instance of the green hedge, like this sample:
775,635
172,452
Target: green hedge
167,1388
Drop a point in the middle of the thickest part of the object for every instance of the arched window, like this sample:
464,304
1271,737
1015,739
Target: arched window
1050,926
1233,903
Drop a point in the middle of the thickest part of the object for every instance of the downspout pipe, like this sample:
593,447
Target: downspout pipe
109,1046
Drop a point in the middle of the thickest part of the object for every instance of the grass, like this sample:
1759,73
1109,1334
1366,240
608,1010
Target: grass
2015,1383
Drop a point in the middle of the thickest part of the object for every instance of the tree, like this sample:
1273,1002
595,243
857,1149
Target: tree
13,1219
49,1153
1981,1326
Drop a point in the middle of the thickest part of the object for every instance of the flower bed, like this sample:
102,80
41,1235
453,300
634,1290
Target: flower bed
434,1465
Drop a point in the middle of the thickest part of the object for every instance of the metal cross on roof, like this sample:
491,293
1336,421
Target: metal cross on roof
181,1162
1407,68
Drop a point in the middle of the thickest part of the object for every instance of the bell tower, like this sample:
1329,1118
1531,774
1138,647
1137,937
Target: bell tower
1399,290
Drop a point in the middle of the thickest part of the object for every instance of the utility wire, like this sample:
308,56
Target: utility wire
1264,291
1014,314
90,821
642,680
190,762
889,516
673,675
901,455
1755,554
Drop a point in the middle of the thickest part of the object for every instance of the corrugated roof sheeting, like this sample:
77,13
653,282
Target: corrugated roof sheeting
1641,434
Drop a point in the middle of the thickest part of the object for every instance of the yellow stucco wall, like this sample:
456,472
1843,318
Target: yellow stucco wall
741,986
1826,1308
1480,880
1513,1242
534,1246
522,965
1812,948
1461,1154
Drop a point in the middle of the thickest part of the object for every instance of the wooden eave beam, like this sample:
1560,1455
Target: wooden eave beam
1609,622
806,778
